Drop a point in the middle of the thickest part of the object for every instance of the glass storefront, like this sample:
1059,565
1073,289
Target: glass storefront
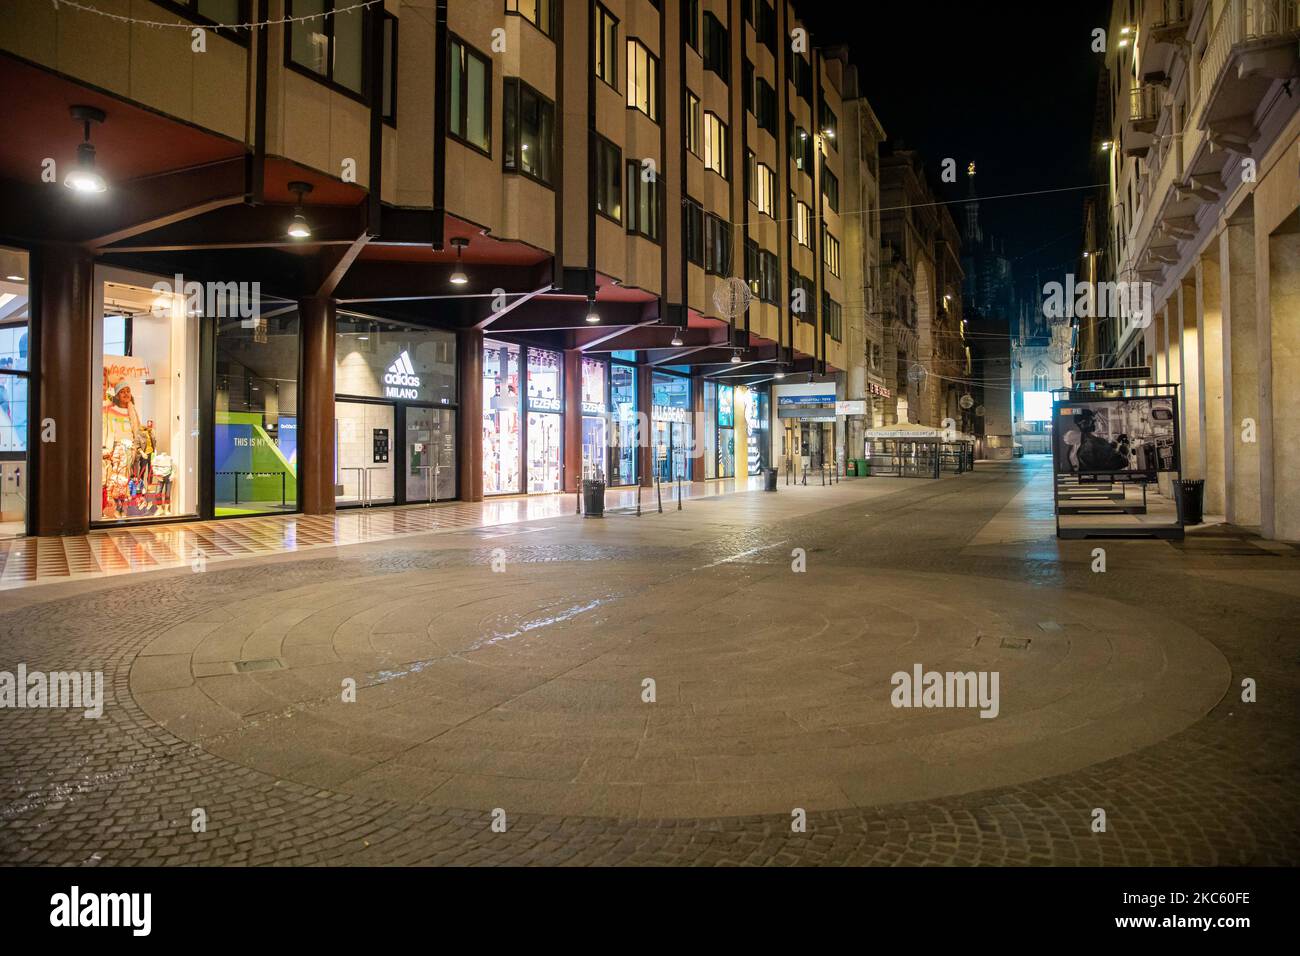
501,420
671,415
256,416
395,415
15,365
726,432
545,435
595,447
622,396
146,421
758,429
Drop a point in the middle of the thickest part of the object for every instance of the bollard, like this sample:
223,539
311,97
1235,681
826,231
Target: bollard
679,492
638,498
659,491
579,499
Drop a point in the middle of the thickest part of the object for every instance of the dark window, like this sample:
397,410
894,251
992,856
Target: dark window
540,13
799,72
694,123
642,201
801,148
752,268
529,128
470,93
214,11
331,47
691,23
717,245
830,188
832,318
717,51
765,24
606,56
771,275
609,180
765,110
801,298
694,230
747,85
390,68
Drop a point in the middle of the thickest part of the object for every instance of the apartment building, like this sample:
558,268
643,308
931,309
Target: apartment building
1201,160
323,254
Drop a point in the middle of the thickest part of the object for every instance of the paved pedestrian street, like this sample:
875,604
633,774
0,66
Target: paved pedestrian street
714,685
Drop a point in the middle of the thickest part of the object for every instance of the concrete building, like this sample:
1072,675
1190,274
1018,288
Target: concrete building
459,249
921,293
1205,206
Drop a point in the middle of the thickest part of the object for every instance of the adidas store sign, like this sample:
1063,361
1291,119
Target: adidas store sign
400,381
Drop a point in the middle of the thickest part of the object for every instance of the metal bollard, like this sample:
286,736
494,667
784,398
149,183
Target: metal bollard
638,498
579,499
679,492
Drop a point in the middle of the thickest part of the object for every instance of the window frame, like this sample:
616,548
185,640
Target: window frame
327,78
717,62
765,184
652,88
694,124
632,202
717,241
611,150
389,117
189,9
546,31
453,38
693,210
691,23
521,87
830,187
724,170
601,15
830,252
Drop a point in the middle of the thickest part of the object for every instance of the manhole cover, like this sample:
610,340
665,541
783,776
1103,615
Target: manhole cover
263,664
1049,626
1015,643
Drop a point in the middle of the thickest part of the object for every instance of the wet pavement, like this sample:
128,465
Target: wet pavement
501,671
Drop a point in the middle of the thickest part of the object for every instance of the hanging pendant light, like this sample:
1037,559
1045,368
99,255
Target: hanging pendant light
593,317
459,277
84,178
298,227
677,337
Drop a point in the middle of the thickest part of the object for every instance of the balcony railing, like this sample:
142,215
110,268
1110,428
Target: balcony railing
1169,13
1243,21
1144,106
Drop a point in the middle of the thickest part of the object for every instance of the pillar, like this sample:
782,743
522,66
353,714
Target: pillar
1156,350
740,419
1240,372
1277,283
469,417
1209,326
316,416
1189,356
64,466
572,419
645,426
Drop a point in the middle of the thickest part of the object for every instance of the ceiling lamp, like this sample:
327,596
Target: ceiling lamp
84,178
458,277
780,373
298,228
735,357
593,317
677,337
16,278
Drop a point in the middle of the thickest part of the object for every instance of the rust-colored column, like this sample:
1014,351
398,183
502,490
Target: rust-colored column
646,437
695,463
469,419
572,419
64,466
316,418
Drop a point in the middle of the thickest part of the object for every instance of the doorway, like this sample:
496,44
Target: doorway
429,453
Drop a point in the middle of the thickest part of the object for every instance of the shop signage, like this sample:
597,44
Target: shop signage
879,390
593,408
851,408
400,381
668,413
540,403
806,399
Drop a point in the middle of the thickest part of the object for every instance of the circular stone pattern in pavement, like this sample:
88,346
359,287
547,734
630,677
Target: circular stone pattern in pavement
772,690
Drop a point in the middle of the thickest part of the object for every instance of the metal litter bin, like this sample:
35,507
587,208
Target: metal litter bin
1189,495
593,498
769,479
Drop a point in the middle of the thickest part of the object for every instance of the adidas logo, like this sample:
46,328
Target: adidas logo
400,380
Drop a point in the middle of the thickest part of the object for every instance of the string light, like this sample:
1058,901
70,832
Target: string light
305,18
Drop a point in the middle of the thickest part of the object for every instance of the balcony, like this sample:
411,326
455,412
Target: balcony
1164,37
1144,105
1253,45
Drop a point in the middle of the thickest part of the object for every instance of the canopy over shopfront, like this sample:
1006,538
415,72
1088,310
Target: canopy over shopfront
910,450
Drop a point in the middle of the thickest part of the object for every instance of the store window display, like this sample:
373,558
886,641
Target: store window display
545,423
622,392
726,432
146,425
673,434
594,446
501,418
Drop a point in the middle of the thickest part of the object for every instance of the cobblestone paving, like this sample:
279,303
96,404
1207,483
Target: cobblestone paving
120,790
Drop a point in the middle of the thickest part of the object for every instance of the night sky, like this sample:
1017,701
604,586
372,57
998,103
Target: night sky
1011,86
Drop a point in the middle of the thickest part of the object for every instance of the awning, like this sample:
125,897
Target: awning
911,431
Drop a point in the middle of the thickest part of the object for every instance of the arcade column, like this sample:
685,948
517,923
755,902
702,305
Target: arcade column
316,419
646,429
469,417
63,466
572,419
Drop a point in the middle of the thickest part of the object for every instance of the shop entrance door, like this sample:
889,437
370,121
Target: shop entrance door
13,456
430,454
364,434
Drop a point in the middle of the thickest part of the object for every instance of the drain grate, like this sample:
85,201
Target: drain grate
262,664
1049,626
1015,643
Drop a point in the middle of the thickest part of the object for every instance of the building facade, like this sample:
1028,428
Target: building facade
323,255
1204,205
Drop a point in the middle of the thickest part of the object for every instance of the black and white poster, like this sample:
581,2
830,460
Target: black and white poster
381,446
1135,437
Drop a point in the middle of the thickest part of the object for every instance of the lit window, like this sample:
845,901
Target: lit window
642,80
606,55
529,127
715,144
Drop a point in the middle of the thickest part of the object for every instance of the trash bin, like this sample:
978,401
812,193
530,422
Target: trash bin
1189,495
769,479
593,498
851,468
863,470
